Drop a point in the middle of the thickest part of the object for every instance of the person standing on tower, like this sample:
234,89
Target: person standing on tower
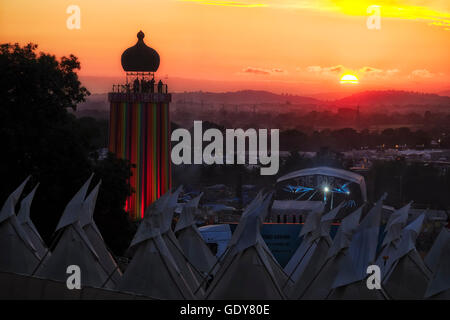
152,85
160,86
136,85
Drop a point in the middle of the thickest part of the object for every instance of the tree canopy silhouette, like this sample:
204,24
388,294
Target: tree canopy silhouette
41,137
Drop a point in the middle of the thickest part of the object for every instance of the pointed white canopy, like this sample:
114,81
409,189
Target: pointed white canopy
17,252
28,226
320,286
145,230
74,248
309,264
362,249
310,231
191,241
405,275
153,271
345,232
95,237
10,203
395,224
164,210
187,214
247,272
433,257
72,212
439,260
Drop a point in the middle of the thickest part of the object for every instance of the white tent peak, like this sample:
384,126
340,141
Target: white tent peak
89,206
399,216
327,220
187,213
252,224
8,209
344,235
362,249
148,228
25,206
395,224
167,212
73,210
312,222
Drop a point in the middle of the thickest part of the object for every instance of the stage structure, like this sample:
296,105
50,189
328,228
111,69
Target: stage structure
303,191
139,127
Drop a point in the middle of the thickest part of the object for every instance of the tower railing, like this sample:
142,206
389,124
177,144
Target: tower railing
145,87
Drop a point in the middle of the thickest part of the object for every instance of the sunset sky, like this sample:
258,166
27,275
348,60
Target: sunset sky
293,46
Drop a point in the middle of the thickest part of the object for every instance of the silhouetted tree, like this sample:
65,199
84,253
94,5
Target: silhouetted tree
40,137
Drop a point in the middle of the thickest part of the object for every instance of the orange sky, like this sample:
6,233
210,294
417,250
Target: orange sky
295,46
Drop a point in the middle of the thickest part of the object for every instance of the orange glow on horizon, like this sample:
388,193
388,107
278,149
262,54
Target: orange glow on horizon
300,47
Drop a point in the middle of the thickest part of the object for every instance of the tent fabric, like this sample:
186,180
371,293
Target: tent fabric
408,278
434,255
357,291
8,209
343,237
310,231
362,249
316,255
190,274
191,242
153,272
400,263
28,226
196,250
147,229
187,215
73,248
157,223
246,276
17,252
247,270
407,242
320,285
23,287
327,171
439,260
93,234
72,211
395,224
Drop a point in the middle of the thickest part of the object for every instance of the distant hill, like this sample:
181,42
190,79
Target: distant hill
445,93
393,97
97,104
243,97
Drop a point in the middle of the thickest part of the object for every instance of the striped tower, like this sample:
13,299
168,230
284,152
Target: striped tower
140,127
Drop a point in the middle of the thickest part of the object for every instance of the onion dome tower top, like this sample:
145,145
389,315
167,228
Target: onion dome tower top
140,57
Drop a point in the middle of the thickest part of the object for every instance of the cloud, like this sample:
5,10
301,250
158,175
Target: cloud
421,74
261,71
378,73
366,71
433,12
326,70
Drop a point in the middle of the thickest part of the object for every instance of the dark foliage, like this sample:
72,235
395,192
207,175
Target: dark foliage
40,137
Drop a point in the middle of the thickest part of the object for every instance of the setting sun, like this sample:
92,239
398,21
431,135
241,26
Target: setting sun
349,78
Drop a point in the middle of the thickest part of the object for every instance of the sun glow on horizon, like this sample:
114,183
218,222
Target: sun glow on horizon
349,78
